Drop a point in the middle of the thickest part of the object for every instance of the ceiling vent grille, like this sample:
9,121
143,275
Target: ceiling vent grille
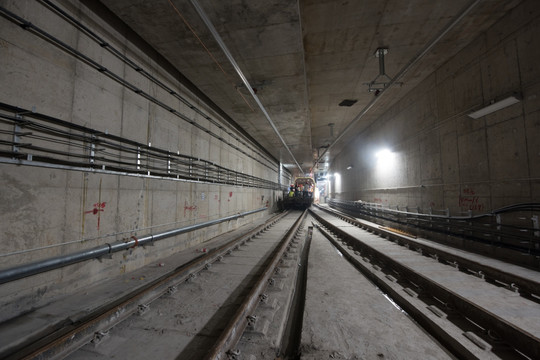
347,102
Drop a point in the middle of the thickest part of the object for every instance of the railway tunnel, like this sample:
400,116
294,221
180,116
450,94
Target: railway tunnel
138,138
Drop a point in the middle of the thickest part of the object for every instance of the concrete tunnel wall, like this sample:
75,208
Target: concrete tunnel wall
53,209
443,159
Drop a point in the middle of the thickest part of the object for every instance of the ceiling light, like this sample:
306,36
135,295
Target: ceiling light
496,106
349,167
383,154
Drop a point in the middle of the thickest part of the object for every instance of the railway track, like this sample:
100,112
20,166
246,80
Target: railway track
224,285
284,290
474,307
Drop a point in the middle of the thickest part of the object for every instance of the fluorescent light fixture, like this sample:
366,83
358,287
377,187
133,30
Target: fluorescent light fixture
496,106
349,167
337,183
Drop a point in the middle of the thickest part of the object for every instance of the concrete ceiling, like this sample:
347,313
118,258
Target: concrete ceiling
304,57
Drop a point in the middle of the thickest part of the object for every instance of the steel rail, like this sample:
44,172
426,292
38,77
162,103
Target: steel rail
233,331
432,327
499,234
526,287
37,267
525,342
67,338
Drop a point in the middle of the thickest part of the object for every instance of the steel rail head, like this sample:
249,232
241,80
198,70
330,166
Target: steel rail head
526,286
235,328
119,309
517,240
522,340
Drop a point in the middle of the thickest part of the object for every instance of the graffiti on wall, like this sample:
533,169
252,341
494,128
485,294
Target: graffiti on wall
469,200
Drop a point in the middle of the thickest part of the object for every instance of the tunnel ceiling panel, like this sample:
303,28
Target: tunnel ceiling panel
304,58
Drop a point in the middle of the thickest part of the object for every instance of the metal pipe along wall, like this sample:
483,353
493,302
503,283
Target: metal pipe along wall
57,262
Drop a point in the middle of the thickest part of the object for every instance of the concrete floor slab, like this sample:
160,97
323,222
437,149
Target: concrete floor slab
359,322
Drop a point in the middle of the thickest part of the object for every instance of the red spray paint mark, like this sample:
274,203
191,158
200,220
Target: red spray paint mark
230,194
471,203
98,207
189,208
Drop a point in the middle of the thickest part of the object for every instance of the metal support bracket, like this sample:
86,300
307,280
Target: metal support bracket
381,81
16,137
